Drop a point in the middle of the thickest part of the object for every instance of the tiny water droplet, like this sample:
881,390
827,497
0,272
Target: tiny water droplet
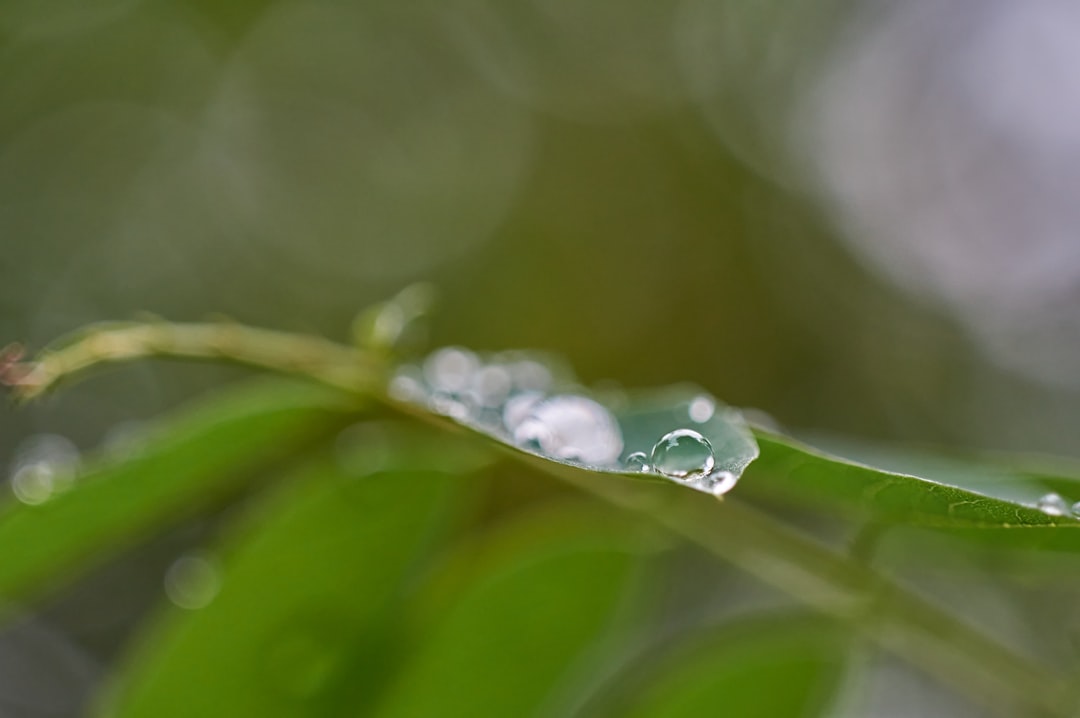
192,581
1052,505
721,482
638,461
683,454
450,369
571,427
702,409
450,405
408,385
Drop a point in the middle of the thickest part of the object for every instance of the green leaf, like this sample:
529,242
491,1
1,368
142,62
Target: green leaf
779,666
970,498
571,422
537,610
311,592
203,456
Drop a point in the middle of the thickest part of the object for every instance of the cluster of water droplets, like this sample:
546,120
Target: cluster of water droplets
1053,504
512,397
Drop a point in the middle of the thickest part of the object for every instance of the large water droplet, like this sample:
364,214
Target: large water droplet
1076,509
450,369
638,461
1052,505
572,428
683,454
193,581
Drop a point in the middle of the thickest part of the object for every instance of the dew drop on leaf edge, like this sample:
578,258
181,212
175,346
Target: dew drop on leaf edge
1052,505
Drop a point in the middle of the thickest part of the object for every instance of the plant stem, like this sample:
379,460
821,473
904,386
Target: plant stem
841,587
327,362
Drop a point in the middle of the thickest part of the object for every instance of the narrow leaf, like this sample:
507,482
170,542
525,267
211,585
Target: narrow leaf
192,462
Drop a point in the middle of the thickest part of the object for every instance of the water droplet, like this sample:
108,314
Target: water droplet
702,409
1052,505
407,385
638,461
683,454
721,482
33,484
450,405
530,375
517,408
193,581
1076,509
571,426
450,369
490,385
44,466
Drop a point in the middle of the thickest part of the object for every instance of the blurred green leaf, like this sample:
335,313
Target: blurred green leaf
541,603
202,457
768,667
974,499
312,590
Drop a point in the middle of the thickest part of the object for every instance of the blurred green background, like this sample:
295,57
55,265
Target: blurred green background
657,191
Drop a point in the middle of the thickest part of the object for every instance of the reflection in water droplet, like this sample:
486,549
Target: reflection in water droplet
450,369
1052,505
638,461
192,581
571,427
702,409
44,466
683,454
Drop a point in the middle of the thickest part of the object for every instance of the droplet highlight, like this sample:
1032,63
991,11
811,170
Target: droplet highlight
1052,505
683,454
